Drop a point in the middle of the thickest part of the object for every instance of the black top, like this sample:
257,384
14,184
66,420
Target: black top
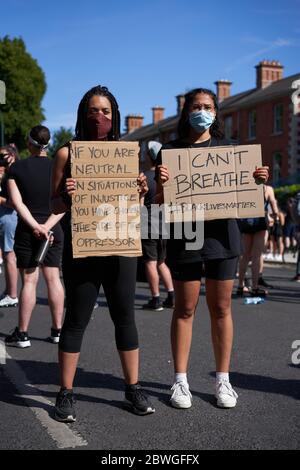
33,178
222,237
150,195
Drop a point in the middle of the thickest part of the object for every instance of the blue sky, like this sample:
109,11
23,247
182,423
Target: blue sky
147,52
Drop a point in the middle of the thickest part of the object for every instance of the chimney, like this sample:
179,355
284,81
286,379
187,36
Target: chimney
267,72
223,89
180,103
133,122
157,114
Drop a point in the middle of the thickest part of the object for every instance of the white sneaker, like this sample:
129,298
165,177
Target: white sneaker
279,258
225,395
8,301
181,397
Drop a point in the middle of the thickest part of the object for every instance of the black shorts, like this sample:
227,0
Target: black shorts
217,269
27,246
254,225
154,250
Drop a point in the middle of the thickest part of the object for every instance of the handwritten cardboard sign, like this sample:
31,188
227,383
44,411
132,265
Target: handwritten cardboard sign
217,179
105,207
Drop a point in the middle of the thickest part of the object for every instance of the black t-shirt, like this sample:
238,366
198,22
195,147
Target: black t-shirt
33,178
150,195
222,237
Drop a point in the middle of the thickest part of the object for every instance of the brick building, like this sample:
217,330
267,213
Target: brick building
268,114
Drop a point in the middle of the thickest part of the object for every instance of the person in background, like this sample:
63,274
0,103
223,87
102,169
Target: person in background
29,192
289,229
254,235
154,250
199,127
8,223
276,235
98,119
296,219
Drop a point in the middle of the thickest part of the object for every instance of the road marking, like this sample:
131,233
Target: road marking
61,433
2,352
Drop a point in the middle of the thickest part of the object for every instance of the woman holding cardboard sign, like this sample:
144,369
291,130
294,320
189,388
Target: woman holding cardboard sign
217,260
98,119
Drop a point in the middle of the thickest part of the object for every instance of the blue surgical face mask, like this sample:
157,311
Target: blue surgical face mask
201,120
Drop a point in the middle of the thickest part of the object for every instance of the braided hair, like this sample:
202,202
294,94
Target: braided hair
184,126
81,131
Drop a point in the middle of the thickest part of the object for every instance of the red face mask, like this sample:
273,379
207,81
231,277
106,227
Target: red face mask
98,126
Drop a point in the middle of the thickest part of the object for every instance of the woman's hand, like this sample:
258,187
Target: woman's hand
163,174
70,186
41,232
261,175
10,159
142,184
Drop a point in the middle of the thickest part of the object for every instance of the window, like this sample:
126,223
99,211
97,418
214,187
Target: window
277,161
252,125
278,119
228,127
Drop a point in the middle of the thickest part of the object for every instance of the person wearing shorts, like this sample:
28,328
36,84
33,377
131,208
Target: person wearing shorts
199,127
8,223
155,249
29,192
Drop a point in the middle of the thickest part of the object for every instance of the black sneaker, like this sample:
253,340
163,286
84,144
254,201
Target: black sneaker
55,334
139,400
64,409
154,304
18,338
169,302
263,283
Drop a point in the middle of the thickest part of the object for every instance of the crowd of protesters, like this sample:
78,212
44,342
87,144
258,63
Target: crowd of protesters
35,201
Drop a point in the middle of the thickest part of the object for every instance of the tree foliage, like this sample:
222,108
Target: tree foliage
59,138
25,88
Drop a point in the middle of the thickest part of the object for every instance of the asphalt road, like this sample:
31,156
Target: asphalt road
268,384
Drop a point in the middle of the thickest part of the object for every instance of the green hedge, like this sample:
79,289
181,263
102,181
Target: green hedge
284,192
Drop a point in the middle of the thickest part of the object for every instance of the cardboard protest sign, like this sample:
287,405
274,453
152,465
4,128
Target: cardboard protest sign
105,206
218,180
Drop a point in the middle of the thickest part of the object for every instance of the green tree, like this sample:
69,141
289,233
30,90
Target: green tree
25,88
59,138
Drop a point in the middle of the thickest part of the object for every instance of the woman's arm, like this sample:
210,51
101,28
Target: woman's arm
23,211
59,196
270,197
163,177
5,202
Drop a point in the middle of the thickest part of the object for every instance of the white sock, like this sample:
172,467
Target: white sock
180,377
222,377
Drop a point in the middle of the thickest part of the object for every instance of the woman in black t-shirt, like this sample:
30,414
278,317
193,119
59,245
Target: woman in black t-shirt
29,192
217,260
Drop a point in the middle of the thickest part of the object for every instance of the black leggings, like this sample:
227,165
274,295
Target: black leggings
83,278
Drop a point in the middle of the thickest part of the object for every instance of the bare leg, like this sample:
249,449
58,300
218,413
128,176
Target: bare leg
130,366
257,250
165,275
218,296
55,295
187,296
152,276
11,274
27,296
68,365
245,258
